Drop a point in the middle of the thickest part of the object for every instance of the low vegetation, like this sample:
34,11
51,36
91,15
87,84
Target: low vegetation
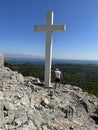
84,76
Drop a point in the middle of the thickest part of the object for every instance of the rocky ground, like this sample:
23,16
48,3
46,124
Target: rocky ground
25,104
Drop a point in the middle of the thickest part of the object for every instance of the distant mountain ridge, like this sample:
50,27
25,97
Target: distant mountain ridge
7,55
29,58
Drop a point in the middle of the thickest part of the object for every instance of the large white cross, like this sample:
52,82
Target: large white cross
48,28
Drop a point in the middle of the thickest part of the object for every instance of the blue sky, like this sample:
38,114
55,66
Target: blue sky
80,41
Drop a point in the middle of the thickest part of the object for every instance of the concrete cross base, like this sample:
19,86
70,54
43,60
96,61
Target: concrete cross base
49,87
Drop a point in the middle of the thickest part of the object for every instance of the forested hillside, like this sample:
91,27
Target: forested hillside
84,76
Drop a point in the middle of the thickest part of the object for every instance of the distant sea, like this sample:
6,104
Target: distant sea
42,62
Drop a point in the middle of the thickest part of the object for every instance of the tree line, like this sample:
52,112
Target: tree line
84,76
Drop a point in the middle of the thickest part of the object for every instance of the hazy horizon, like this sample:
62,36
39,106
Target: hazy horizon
11,55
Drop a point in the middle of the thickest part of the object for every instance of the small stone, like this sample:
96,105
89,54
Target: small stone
44,127
40,128
71,128
20,77
51,93
45,102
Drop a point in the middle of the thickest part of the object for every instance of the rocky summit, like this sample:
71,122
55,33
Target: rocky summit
25,104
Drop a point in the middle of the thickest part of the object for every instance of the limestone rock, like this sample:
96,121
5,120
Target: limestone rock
26,105
44,127
45,102
1,60
2,120
20,78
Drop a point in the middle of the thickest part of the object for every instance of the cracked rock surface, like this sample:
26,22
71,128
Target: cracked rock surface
25,104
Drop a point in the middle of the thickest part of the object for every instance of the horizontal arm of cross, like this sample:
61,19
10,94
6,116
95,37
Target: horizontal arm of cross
40,28
58,28
52,28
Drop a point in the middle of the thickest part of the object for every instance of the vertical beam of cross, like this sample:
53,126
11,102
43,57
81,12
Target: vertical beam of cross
48,28
48,51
